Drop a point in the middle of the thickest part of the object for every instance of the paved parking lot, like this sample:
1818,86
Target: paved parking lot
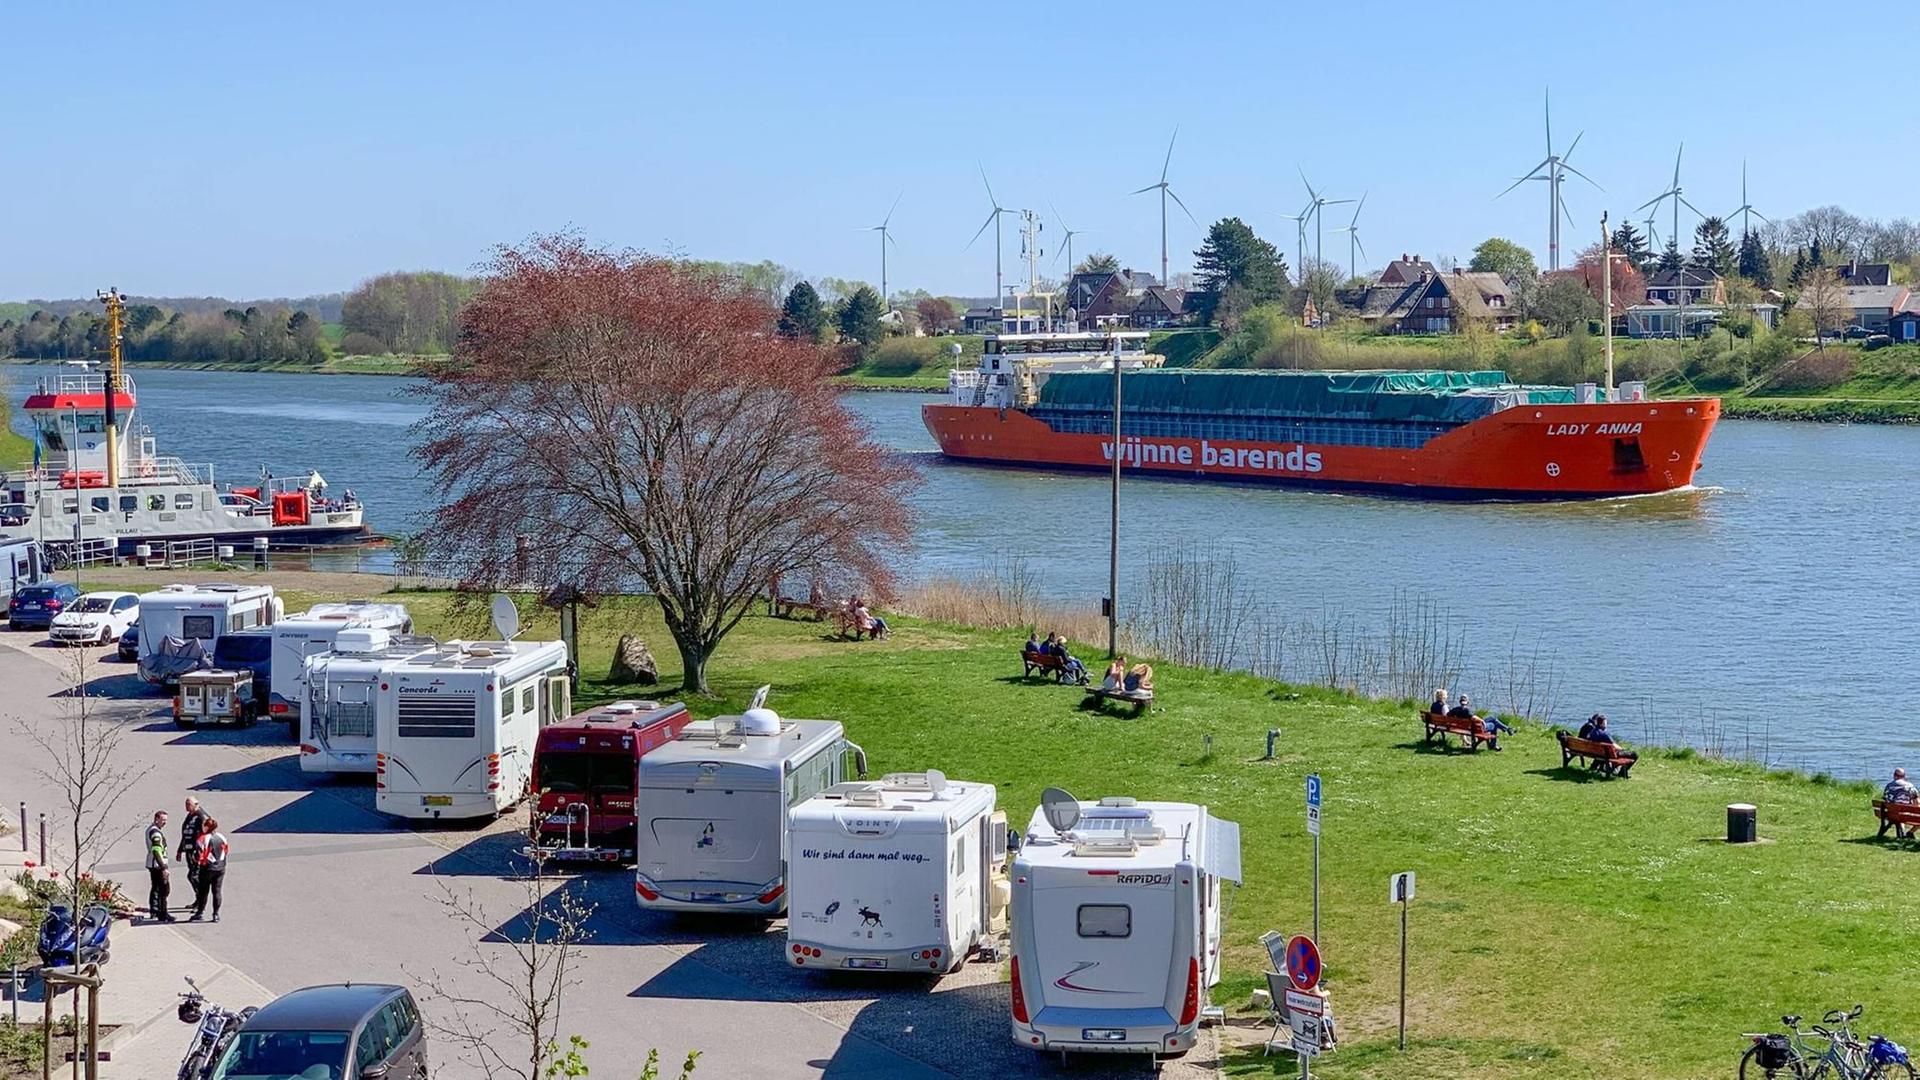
321,888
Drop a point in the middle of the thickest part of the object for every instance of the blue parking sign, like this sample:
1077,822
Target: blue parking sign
1313,789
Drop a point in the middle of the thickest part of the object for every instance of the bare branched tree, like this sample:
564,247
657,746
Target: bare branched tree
511,1026
83,759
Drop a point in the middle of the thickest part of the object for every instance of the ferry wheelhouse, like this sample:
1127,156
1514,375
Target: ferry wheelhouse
98,482
1048,400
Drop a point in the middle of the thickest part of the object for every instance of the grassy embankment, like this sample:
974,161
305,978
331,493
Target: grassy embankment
13,448
1565,926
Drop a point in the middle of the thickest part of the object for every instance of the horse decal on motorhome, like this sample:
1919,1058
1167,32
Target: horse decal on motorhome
1084,965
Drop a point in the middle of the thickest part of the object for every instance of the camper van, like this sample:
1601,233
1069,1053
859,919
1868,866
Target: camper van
1116,924
304,634
454,725
907,873
21,564
335,723
712,834
197,615
586,772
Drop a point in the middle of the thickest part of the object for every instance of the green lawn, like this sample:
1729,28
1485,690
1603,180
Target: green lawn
13,448
1565,927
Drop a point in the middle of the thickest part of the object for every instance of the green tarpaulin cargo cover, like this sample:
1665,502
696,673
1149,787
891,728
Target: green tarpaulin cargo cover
1446,396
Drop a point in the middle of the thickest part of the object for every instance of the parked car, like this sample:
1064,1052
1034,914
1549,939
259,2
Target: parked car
1878,341
1857,333
34,607
342,1030
249,650
130,640
97,618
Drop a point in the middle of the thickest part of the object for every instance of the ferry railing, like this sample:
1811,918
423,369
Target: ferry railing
88,551
188,552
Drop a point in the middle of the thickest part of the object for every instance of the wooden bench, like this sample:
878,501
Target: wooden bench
787,609
1139,699
1603,756
1044,664
1472,731
1895,815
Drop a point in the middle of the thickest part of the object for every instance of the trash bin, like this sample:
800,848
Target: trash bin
1743,823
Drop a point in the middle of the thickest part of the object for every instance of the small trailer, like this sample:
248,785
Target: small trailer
193,618
214,698
712,834
1117,925
586,775
905,874
454,726
305,634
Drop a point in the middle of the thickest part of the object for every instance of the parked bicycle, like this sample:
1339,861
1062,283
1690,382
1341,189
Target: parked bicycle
1834,1052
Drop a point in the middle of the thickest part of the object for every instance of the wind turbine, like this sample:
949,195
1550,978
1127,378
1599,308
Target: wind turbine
886,238
1313,210
1166,192
1550,170
1352,229
993,219
1746,208
1071,233
1679,199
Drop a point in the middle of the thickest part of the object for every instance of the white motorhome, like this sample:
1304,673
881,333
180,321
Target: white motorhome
907,873
712,832
455,725
21,564
335,719
307,633
1116,924
201,614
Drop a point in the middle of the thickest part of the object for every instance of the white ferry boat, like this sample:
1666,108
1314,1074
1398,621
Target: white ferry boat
96,481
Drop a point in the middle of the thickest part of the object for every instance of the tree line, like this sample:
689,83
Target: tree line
253,335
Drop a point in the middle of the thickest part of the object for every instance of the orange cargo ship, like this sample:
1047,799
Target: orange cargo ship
1046,400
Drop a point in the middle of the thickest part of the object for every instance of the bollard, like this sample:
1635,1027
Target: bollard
43,838
1273,736
23,825
1743,823
143,553
1206,745
223,553
259,553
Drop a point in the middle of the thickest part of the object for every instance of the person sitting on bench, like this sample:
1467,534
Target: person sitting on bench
1139,679
1071,667
1439,706
1116,674
1901,790
1032,646
1595,730
1464,711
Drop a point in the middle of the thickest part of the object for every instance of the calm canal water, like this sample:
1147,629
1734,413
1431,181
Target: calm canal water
1777,605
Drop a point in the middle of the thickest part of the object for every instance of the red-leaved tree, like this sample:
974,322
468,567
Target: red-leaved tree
616,422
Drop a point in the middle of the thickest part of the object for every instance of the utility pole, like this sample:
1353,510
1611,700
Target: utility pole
1606,305
116,321
1113,542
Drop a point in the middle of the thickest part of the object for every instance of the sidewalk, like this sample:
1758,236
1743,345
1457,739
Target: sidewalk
143,980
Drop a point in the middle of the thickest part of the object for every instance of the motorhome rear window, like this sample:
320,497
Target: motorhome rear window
196,626
1105,920
579,773
424,716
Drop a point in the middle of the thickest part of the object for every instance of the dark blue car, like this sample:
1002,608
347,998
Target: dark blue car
130,642
33,607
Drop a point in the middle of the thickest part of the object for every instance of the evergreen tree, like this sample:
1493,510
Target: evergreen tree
860,324
801,316
1754,264
1713,247
1628,241
1800,267
1814,255
1233,257
1670,258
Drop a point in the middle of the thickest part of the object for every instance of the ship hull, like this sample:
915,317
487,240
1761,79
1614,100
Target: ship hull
1532,452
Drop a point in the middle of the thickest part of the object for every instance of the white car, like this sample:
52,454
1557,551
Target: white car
96,618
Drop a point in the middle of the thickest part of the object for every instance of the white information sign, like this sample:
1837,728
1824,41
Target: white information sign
1400,889
1313,821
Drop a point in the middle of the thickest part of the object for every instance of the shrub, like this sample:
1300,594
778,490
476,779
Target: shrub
1822,369
904,356
362,344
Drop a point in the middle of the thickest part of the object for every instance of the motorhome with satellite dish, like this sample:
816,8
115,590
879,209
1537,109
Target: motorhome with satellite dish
713,834
907,873
193,617
339,691
1116,923
455,724
586,775
304,634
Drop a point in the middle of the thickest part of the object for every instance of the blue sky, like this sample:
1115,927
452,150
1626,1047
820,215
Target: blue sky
286,149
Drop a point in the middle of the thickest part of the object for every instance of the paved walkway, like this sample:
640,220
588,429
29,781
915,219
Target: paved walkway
321,888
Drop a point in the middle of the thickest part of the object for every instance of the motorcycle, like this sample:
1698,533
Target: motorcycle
216,1029
65,943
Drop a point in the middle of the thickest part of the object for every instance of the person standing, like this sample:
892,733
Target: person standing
189,839
158,885
211,852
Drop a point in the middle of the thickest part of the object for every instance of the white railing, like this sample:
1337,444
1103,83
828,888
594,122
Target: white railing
90,551
85,382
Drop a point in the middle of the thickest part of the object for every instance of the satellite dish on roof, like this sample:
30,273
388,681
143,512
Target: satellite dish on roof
1061,809
936,782
506,617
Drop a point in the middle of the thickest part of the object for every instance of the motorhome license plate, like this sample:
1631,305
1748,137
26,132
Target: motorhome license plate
437,800
1103,1034
869,963
710,897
